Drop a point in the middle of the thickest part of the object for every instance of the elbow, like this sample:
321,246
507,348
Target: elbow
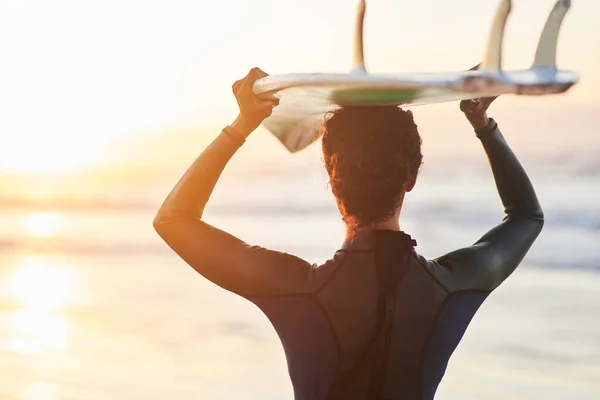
540,218
538,213
532,210
168,225
531,207
532,228
536,217
534,223
158,226
540,222
164,218
159,223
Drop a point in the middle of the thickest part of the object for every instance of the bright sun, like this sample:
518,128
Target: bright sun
43,224
35,154
41,283
41,286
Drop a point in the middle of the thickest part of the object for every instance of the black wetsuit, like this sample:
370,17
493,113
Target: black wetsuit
377,321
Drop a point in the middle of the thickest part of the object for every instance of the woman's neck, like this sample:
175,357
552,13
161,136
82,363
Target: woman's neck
392,224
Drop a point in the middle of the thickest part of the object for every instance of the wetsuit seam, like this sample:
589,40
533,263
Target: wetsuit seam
363,354
448,291
323,310
330,277
386,354
387,338
437,315
338,351
426,346
433,325
274,296
333,331
471,291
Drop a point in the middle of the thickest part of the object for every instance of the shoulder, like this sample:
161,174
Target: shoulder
457,271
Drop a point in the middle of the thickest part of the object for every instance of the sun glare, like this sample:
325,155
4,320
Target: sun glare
35,331
38,391
43,224
34,156
41,286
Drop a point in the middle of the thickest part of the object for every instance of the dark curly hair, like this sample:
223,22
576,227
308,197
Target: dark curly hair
370,153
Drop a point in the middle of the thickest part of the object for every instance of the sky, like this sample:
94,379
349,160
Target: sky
93,84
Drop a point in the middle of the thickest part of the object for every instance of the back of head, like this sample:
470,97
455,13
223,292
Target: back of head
371,155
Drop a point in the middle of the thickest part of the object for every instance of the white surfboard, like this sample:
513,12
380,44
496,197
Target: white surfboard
306,98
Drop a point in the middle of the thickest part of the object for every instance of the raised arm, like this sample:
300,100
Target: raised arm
487,263
218,256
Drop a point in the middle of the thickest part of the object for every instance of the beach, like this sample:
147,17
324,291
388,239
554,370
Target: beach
103,106
94,306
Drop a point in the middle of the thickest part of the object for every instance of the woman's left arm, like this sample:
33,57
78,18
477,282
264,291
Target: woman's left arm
217,255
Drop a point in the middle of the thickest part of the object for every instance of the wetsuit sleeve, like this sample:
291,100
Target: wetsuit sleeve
217,255
487,263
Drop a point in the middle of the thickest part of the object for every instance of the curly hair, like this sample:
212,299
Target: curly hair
370,153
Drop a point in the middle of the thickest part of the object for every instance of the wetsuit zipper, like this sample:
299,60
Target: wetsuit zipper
390,305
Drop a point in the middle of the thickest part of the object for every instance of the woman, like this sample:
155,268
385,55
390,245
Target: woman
376,321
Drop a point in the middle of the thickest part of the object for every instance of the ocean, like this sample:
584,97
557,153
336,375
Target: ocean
94,306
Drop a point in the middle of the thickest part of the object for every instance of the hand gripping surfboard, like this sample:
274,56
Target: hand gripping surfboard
305,98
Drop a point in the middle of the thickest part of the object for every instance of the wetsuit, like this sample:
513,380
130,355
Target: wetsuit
376,321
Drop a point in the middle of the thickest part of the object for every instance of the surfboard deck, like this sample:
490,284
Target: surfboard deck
306,98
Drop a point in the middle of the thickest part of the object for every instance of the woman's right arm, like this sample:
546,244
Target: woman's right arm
488,262
493,258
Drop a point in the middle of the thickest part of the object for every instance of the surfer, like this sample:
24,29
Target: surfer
377,320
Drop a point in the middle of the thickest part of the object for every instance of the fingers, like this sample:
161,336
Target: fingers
264,108
248,81
251,106
244,92
236,85
268,103
471,106
476,105
260,73
487,101
263,105
465,106
254,74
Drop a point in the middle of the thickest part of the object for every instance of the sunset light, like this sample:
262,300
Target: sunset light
172,228
67,102
35,331
38,391
43,224
41,287
36,153
41,283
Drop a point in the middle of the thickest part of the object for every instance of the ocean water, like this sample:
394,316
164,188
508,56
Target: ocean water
94,306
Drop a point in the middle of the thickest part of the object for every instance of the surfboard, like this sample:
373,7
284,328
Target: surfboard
306,98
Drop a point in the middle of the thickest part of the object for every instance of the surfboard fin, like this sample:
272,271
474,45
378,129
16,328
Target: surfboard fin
545,55
358,63
492,60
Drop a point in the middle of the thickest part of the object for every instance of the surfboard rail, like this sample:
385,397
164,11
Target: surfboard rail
307,97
